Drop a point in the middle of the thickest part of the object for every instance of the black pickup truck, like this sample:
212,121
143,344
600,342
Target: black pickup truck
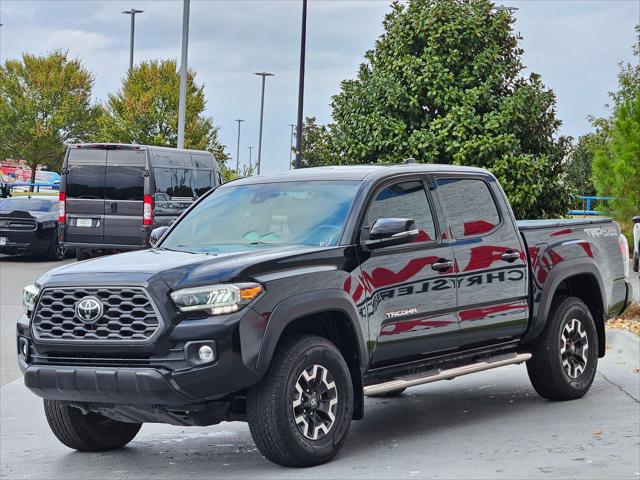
283,301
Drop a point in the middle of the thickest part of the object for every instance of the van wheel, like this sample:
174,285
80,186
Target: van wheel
636,260
392,393
300,414
565,356
82,254
89,432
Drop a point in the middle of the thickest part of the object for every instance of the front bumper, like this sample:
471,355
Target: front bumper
159,374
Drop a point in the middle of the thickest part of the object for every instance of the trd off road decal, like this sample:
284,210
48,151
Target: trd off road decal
597,232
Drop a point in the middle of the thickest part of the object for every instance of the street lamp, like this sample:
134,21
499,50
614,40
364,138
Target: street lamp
250,150
132,12
291,148
264,75
303,48
238,149
183,73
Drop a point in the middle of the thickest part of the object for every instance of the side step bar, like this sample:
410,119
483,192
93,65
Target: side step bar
444,374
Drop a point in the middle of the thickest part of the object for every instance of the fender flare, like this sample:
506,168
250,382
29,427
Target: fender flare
298,306
559,273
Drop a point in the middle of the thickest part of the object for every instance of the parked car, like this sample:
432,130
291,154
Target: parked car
636,242
284,300
29,226
113,195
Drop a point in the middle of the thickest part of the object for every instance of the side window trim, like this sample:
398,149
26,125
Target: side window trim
443,207
430,201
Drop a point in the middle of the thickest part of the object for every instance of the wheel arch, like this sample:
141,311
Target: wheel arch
578,278
327,313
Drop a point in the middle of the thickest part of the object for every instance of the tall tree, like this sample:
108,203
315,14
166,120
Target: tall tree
444,84
45,103
316,150
616,167
145,111
579,162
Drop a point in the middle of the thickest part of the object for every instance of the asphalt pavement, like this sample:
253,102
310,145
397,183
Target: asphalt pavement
487,425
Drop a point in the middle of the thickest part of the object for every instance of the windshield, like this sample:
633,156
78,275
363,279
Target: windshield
236,218
26,204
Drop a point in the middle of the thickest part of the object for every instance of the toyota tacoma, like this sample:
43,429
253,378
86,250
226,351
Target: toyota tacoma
284,300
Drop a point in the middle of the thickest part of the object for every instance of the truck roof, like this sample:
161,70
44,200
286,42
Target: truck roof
356,172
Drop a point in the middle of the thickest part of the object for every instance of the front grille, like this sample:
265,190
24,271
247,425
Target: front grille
17,224
128,315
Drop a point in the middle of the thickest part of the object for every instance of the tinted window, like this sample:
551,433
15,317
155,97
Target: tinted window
179,182
404,200
26,204
470,207
86,155
164,182
85,181
182,186
202,181
124,183
126,157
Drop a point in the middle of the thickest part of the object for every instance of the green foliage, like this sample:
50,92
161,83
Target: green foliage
316,146
443,85
578,166
45,102
145,111
616,167
229,174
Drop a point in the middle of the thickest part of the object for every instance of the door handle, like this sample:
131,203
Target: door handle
510,256
114,207
442,265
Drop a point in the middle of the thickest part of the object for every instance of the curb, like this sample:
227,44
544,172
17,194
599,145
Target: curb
624,343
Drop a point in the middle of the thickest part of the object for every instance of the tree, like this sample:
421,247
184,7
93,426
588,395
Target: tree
45,103
145,111
578,165
616,166
444,84
316,147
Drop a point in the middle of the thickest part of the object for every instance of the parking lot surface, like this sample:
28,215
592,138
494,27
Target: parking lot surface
486,425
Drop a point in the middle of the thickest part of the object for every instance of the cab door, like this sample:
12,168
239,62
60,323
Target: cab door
410,291
490,259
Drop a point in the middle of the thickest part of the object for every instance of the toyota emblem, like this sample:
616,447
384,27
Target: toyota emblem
89,309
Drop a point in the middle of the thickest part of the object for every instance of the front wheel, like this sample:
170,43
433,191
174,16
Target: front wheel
299,415
565,356
87,432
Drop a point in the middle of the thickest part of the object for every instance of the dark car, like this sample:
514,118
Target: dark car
284,300
113,195
29,226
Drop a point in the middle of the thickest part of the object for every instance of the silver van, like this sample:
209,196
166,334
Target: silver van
113,195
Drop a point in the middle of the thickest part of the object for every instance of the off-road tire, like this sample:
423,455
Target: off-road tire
546,371
270,410
89,432
392,393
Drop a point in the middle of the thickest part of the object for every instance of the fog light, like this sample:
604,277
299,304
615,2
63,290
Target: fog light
205,353
201,352
23,348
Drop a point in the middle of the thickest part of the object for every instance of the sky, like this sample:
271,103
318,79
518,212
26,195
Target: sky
575,45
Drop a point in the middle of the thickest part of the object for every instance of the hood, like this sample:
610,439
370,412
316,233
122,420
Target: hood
181,269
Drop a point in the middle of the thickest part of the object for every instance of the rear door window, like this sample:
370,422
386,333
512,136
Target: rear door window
124,183
85,181
202,181
469,205
173,183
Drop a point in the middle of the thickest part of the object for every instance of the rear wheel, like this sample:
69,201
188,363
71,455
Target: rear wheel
565,356
300,414
89,432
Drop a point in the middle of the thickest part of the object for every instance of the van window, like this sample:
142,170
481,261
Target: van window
202,181
124,183
182,187
85,181
173,182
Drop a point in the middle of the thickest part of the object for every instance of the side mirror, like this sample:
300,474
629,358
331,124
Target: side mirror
636,219
156,235
387,232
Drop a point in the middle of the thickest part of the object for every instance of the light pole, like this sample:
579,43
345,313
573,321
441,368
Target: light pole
250,150
264,76
303,48
238,149
132,12
291,148
183,73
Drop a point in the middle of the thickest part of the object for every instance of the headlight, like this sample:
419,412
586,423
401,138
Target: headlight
30,296
218,299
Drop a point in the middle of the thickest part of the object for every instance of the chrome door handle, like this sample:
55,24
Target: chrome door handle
442,265
510,256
